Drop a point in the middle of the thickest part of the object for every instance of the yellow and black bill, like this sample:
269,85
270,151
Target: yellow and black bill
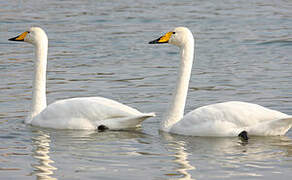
20,37
162,39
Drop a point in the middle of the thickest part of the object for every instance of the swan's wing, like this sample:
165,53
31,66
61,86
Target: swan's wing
225,119
88,113
271,128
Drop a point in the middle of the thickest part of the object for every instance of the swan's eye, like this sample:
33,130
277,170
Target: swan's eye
173,32
28,31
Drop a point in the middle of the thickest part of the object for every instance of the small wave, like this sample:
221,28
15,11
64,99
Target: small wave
282,42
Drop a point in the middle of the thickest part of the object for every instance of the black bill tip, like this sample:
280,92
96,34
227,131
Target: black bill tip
15,39
12,39
158,41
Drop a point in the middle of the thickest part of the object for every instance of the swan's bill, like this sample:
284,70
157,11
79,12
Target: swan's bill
162,39
20,37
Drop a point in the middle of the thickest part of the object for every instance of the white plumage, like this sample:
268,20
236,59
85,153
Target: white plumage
222,119
75,113
231,118
89,113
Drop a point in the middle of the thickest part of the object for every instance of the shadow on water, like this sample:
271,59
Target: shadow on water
195,155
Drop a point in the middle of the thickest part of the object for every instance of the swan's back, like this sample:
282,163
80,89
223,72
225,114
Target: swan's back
82,113
225,119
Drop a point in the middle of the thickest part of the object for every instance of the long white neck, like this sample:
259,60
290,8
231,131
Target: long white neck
176,108
39,101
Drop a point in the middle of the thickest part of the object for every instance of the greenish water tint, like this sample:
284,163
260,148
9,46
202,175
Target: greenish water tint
99,48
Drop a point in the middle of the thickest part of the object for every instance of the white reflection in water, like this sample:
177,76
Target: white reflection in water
43,170
181,158
257,158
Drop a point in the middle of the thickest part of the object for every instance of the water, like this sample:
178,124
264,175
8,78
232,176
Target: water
99,48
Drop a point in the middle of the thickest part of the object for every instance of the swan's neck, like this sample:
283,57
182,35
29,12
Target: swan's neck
39,101
177,105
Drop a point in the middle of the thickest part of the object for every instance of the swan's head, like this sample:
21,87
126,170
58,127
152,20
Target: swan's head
33,35
180,36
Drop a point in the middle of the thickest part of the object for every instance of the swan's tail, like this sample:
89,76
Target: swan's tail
272,128
125,122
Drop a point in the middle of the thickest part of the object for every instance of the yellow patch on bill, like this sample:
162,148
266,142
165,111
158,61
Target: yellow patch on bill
21,36
165,38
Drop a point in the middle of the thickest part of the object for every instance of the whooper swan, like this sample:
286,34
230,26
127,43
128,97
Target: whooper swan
76,113
223,119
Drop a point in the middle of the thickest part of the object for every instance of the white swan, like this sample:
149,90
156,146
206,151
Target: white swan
222,119
76,113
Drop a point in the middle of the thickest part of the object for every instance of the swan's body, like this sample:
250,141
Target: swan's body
89,113
222,119
75,113
231,118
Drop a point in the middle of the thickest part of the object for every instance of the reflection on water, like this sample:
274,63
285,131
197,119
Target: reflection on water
257,158
43,170
180,157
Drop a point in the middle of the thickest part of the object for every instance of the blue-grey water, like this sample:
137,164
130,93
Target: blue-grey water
99,48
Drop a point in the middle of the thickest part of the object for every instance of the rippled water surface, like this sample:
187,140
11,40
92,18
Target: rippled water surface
99,48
